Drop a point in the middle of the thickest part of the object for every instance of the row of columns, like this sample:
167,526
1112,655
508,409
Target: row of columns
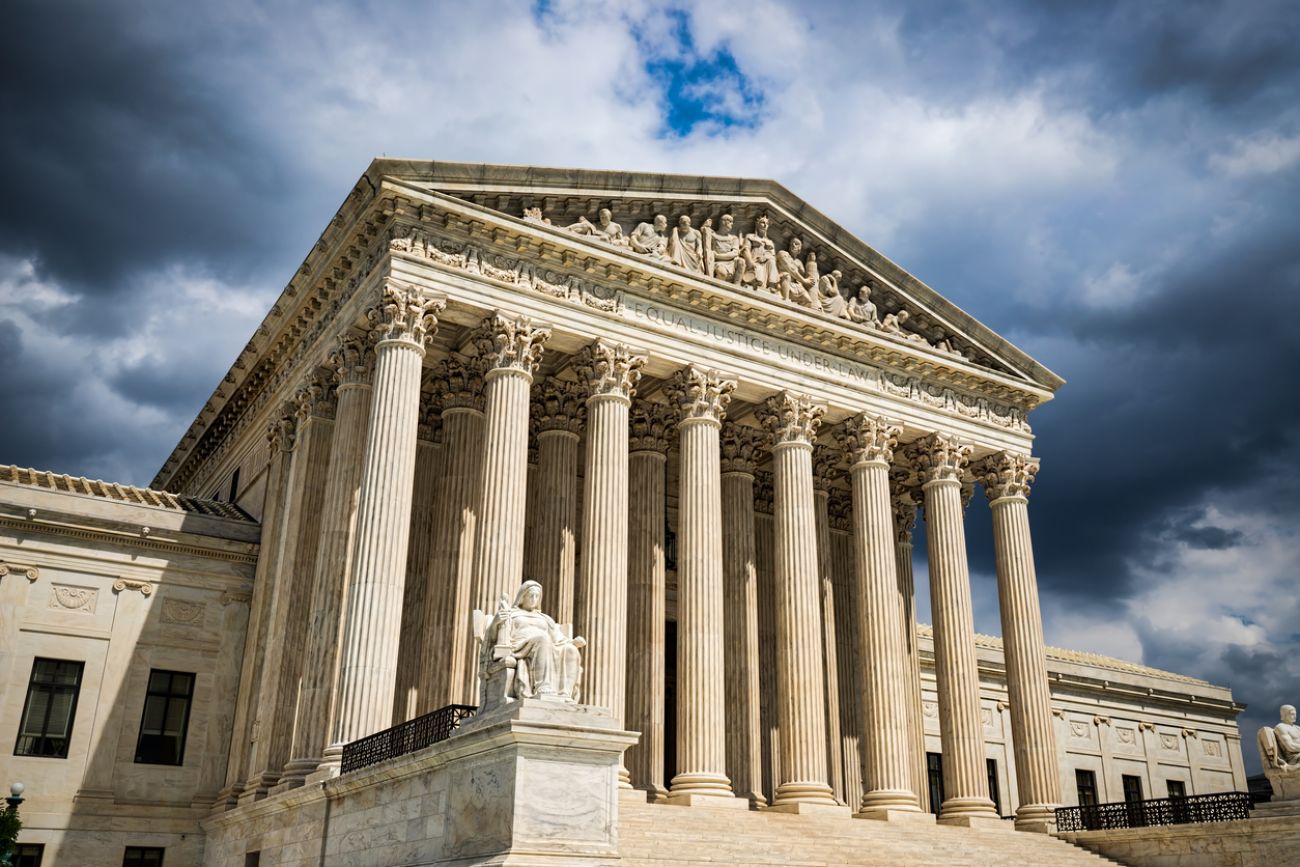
348,677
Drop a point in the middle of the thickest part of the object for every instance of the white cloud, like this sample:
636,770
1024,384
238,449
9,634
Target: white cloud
1264,154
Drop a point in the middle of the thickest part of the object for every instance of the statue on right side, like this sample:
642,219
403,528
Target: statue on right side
1279,752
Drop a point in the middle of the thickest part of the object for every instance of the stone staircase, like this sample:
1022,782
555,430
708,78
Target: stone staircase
657,835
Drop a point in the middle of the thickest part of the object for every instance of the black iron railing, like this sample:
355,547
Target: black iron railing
1220,807
405,738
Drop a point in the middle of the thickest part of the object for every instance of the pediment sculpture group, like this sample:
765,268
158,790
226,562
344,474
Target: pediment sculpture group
753,261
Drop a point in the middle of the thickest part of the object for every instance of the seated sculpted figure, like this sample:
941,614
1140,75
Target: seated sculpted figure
797,284
686,246
1279,753
722,250
526,655
861,309
651,239
759,258
828,288
606,230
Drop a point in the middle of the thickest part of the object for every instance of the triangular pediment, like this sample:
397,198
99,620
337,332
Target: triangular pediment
823,273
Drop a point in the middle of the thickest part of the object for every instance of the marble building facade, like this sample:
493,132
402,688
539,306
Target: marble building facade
705,419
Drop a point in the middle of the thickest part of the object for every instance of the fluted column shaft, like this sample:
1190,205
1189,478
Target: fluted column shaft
742,653
373,620
852,680
316,699
414,655
558,412
1007,482
765,565
965,776
800,677
830,639
646,580
904,521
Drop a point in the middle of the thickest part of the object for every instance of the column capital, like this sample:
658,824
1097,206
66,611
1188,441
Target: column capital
904,518
429,427
282,431
650,427
405,313
939,457
353,360
740,448
698,393
826,467
510,343
791,418
316,398
609,369
764,492
559,405
1006,474
459,384
869,438
840,510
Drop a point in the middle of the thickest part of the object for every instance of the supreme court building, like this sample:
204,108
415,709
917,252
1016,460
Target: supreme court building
706,419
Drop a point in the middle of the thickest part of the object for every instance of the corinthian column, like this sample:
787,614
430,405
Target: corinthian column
651,429
559,410
509,349
609,371
403,321
700,397
942,461
458,388
824,473
848,635
904,506
870,442
801,698
353,364
1007,478
740,447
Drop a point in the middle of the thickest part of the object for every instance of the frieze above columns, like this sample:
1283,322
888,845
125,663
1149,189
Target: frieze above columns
650,427
510,343
869,438
939,457
741,448
700,394
791,418
559,405
1006,474
609,369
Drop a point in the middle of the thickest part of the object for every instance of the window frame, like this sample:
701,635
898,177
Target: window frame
991,766
934,780
1080,774
167,697
140,854
23,858
72,709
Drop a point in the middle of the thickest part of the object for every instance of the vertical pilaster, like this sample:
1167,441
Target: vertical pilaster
904,506
414,653
941,462
700,397
793,421
458,389
651,428
1007,478
609,372
559,411
870,442
353,365
740,446
509,349
403,322
825,471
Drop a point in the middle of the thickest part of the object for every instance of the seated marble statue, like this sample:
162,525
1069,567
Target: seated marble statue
525,654
798,279
828,289
686,246
759,258
861,309
605,230
651,239
722,249
1279,753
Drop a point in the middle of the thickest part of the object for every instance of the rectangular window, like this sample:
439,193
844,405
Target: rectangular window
253,859
1132,788
166,717
29,855
1085,783
992,765
143,856
934,773
1176,789
51,706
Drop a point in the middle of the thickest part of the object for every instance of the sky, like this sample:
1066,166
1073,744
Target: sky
1114,187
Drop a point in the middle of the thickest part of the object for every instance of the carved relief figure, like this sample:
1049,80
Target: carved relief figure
795,281
534,215
861,309
605,229
686,246
828,291
651,239
759,255
1279,752
526,655
892,323
722,250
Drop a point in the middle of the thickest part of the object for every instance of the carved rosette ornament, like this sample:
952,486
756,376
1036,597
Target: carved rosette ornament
869,438
316,399
559,405
699,394
460,385
741,447
650,427
405,313
353,361
791,418
1006,474
509,343
939,457
609,369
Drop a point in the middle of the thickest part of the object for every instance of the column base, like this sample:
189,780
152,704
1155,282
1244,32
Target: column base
624,777
972,813
914,816
634,796
808,808
1036,818
295,774
982,823
697,799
